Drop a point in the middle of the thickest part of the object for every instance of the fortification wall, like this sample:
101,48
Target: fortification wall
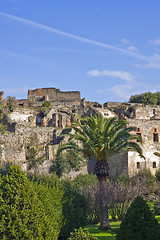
53,94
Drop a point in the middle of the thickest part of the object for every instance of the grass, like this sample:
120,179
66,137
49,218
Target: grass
108,235
101,234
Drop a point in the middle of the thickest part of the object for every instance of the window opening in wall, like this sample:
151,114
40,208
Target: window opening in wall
155,137
154,164
154,111
60,121
138,129
138,165
155,130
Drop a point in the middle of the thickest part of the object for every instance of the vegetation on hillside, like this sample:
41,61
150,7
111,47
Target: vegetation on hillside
146,98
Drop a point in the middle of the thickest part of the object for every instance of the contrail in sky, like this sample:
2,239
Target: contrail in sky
69,35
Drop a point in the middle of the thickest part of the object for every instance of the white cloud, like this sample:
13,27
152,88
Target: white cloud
124,41
69,35
132,48
155,42
153,62
124,91
116,73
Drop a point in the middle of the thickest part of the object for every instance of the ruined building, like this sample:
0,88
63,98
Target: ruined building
30,124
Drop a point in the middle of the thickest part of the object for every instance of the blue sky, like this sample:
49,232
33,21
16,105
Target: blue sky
107,50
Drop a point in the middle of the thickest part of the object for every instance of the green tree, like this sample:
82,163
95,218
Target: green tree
100,139
64,163
146,98
139,223
50,192
74,210
22,214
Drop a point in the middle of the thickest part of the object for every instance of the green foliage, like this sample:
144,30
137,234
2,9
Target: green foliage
32,158
64,163
101,137
74,210
146,173
3,128
80,234
11,102
158,174
139,223
146,98
123,178
22,215
157,208
88,186
46,104
82,180
50,192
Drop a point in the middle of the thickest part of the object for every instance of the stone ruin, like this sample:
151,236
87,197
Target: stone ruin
30,124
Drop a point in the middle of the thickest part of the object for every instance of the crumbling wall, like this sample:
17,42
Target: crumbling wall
147,112
1,96
149,130
53,94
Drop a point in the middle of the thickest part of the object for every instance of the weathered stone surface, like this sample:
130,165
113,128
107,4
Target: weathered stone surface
41,127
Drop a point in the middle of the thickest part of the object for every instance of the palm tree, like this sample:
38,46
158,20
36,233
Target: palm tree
100,138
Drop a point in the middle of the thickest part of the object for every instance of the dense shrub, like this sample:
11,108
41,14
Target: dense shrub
158,174
50,192
74,210
139,223
80,234
22,215
85,180
88,186
46,104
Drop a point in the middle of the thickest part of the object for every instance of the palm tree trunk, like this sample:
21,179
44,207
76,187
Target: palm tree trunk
102,172
104,221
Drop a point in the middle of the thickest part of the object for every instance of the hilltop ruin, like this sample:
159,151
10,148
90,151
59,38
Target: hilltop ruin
29,123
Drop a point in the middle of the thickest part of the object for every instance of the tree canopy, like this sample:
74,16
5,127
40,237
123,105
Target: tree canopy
146,98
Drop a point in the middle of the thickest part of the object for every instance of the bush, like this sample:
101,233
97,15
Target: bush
3,128
74,210
33,159
46,104
139,223
50,192
22,215
79,234
88,186
65,162
82,180
158,174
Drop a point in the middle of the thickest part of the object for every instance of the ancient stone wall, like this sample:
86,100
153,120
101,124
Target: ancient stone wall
53,94
149,131
147,112
1,96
